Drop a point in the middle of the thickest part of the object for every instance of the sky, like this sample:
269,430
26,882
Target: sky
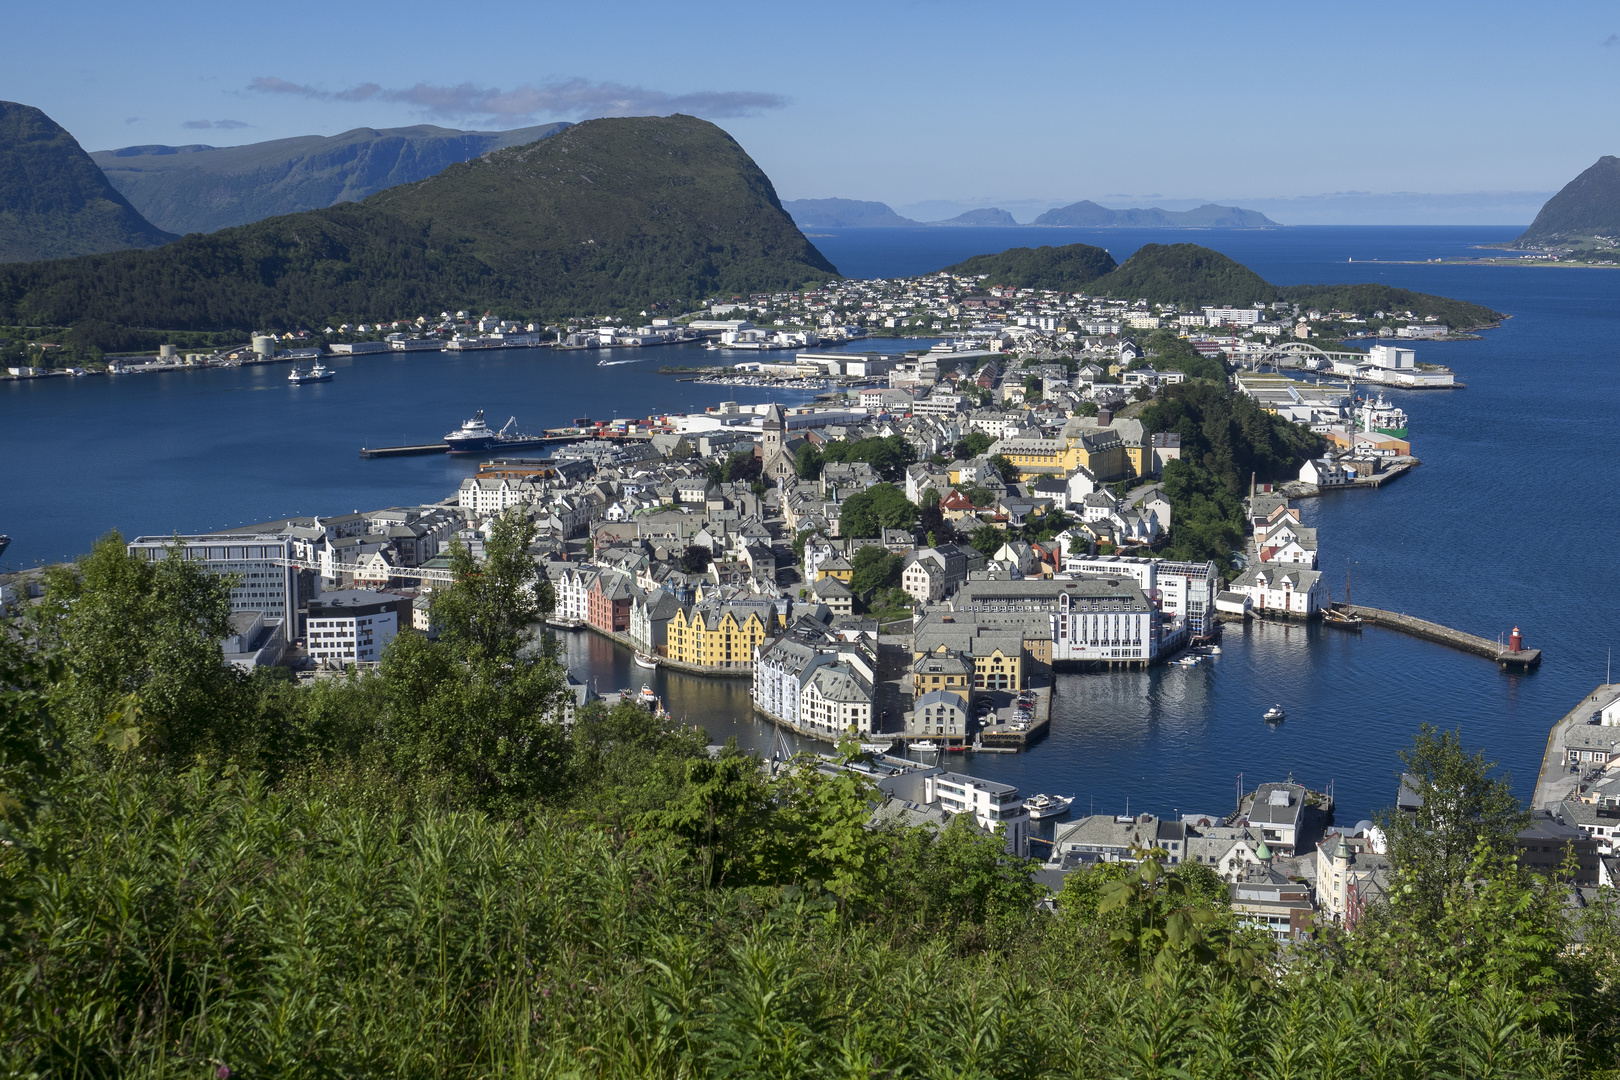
1397,113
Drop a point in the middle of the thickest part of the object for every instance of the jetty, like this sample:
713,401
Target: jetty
1512,656
552,437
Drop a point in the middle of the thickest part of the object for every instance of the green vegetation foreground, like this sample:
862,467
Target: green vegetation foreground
204,876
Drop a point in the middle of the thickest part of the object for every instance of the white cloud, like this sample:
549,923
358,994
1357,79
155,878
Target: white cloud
228,125
572,98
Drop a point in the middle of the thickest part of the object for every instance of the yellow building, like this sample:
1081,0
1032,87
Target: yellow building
720,635
836,567
942,669
1033,457
1117,452
997,656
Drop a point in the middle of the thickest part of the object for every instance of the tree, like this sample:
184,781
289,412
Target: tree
881,506
123,626
1086,408
1005,468
874,568
1033,384
696,558
972,445
742,466
1462,807
473,717
987,540
807,462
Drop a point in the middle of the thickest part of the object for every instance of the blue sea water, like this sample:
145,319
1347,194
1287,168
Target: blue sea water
1512,519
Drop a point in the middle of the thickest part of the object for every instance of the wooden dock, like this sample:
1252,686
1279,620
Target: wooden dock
1506,659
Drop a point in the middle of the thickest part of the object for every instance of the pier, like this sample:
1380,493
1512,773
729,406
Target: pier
1506,657
552,437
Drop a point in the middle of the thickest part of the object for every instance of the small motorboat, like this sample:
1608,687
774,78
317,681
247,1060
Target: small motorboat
646,660
1274,714
925,746
877,747
647,697
1045,806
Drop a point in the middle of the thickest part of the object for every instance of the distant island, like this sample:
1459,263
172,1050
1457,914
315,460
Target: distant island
187,189
606,215
1089,215
1190,276
856,214
54,202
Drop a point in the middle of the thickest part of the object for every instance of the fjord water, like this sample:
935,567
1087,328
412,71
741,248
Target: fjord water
1511,520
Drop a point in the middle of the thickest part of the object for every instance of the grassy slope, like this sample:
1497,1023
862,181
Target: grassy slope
1588,205
608,214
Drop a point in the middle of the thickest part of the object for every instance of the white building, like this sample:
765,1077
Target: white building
351,626
836,700
488,496
1287,590
1183,590
996,807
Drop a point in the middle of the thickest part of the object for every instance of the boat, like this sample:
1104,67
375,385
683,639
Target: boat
647,697
1274,714
319,373
1343,620
1382,417
925,746
472,437
1045,806
646,660
5,542
877,747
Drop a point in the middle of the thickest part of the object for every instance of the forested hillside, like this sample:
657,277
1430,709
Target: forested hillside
607,215
54,202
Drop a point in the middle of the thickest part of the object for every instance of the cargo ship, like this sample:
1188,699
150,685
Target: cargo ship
474,437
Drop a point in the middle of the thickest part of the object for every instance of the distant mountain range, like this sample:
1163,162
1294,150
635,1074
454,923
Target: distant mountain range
188,189
54,202
1586,208
1190,275
605,215
854,214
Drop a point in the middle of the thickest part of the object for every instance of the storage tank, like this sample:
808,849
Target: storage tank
264,345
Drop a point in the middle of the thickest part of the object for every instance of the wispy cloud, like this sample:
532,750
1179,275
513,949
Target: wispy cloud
204,124
1611,41
131,120
573,98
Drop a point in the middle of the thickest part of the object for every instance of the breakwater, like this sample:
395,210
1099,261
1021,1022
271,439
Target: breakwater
1505,658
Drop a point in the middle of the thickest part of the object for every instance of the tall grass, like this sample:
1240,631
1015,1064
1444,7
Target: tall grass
201,925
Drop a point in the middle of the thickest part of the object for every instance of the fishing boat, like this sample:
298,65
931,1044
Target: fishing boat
319,373
1273,714
1045,806
646,660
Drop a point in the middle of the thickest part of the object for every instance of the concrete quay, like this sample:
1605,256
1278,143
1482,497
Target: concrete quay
1507,659
1556,782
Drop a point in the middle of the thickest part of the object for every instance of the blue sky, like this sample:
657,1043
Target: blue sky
924,105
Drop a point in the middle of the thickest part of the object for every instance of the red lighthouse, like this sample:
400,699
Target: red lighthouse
1515,641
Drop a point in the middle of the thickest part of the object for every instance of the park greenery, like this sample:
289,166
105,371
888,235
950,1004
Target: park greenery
879,507
1227,441
423,870
888,455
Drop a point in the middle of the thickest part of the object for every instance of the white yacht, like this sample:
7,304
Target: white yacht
1045,806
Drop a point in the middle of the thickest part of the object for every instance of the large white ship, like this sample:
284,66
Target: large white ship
1381,416
472,437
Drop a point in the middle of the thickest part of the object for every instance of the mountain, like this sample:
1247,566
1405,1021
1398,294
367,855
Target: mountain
607,215
1065,269
989,216
845,214
1191,276
1088,215
54,202
1586,207
190,189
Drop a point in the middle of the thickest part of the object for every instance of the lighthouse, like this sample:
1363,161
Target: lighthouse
1515,641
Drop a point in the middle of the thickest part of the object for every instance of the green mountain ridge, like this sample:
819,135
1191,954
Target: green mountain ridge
54,202
1190,275
606,215
1585,208
188,189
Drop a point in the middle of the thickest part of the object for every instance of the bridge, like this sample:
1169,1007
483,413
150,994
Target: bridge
1301,351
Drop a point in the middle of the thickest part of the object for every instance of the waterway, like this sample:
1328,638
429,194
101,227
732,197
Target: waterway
1512,519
